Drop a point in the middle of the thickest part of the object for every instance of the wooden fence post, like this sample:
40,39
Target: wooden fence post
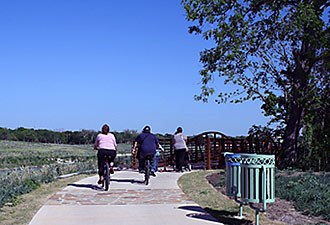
208,149
220,156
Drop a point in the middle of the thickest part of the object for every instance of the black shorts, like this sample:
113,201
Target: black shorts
106,152
101,155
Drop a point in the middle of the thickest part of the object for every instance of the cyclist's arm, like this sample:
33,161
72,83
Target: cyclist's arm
134,147
96,145
160,148
157,142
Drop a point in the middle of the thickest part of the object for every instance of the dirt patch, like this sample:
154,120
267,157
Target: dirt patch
280,210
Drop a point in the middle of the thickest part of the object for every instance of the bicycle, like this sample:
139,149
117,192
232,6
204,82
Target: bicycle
106,176
147,169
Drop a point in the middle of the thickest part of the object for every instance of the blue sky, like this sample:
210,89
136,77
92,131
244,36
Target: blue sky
76,64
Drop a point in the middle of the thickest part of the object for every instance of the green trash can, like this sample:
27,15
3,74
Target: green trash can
233,174
258,178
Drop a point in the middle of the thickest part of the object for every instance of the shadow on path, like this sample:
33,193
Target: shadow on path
220,216
97,187
200,213
132,181
90,186
227,217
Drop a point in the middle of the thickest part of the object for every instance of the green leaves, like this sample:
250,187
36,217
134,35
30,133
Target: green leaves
274,51
250,36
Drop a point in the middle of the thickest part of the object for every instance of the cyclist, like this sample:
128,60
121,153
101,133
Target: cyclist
147,143
106,146
156,158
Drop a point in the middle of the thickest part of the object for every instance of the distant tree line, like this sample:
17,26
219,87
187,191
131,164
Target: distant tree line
64,137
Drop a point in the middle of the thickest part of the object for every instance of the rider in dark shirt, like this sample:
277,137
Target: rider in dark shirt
147,143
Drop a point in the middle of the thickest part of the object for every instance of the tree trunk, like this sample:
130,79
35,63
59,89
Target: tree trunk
291,135
295,113
297,103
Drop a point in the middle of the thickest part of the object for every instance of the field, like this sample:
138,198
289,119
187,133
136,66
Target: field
24,166
17,154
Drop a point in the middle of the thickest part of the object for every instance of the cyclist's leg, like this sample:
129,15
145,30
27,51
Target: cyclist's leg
152,159
141,163
144,158
155,162
112,155
101,161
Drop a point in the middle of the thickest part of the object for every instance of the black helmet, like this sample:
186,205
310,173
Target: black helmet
146,129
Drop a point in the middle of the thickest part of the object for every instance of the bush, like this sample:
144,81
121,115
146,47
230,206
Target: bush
310,193
23,180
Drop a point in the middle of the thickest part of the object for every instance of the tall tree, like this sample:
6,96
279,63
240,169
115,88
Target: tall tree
314,149
275,51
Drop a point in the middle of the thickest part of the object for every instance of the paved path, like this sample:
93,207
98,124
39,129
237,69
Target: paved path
128,202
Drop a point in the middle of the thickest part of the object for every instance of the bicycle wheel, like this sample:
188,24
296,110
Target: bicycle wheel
147,172
106,176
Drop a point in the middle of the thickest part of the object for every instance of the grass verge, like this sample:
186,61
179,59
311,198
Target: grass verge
27,205
196,186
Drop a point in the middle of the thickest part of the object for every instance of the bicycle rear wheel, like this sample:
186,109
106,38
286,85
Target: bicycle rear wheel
147,172
106,179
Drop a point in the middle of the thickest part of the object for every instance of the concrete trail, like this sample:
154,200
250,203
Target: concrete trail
128,202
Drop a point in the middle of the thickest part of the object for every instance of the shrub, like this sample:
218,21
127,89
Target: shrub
23,180
310,193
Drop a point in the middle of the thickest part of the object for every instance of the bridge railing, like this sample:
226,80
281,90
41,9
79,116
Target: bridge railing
206,150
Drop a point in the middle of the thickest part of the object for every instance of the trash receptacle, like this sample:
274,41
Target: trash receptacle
258,178
233,174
